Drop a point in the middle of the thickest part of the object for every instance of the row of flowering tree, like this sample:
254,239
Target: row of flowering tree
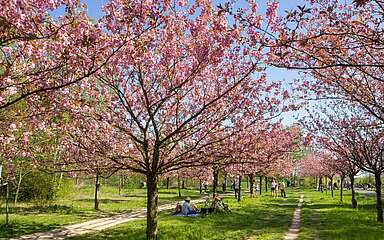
338,48
149,88
353,141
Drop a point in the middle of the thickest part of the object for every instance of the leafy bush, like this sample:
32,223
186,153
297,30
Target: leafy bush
37,186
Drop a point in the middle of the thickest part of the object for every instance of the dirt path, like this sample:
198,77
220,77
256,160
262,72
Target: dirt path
293,231
95,225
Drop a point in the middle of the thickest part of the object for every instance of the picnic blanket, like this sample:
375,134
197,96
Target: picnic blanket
189,215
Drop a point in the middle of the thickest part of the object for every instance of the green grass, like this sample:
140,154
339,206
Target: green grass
327,218
78,207
258,218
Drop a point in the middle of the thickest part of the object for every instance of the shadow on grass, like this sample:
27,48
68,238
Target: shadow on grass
26,210
330,219
23,228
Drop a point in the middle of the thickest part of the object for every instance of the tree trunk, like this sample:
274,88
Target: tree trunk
183,184
7,205
224,186
261,184
119,185
354,202
178,185
77,182
18,187
320,184
266,184
97,191
168,184
379,204
331,185
152,200
251,186
215,180
341,188
239,193
200,188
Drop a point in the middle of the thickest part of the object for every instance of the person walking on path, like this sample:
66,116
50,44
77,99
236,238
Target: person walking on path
236,186
282,189
274,187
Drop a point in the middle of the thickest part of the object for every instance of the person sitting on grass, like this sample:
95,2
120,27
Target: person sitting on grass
188,208
177,209
219,206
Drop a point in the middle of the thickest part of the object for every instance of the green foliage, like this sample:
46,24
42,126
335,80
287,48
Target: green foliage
64,187
37,186
366,179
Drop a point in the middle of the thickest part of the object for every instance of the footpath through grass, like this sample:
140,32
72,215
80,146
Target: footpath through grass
324,217
253,218
77,207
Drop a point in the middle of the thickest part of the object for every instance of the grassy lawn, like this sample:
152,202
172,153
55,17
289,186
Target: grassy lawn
252,218
327,218
257,218
78,207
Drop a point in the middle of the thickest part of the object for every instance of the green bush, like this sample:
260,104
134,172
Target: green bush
37,186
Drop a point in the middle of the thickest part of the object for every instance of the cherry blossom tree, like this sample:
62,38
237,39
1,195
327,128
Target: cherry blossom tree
338,46
171,97
355,137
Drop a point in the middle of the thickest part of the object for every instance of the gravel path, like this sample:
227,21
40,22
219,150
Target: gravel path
294,229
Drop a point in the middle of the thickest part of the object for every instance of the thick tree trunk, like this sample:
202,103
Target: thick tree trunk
215,181
261,184
18,187
239,193
97,191
178,185
341,188
152,200
168,184
251,186
352,179
379,203
266,184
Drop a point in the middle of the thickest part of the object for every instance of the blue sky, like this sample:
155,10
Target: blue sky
274,74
